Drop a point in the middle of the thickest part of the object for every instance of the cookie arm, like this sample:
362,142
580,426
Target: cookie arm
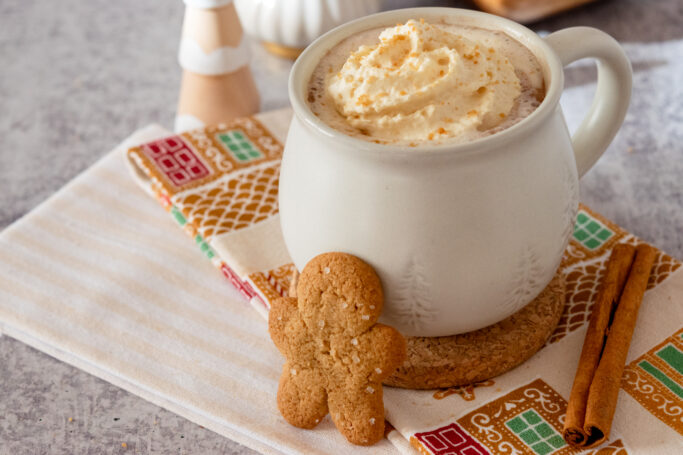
282,311
384,349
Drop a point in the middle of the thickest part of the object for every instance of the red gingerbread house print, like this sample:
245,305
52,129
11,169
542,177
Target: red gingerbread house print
449,440
176,160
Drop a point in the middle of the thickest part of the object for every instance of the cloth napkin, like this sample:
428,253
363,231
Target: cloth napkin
98,277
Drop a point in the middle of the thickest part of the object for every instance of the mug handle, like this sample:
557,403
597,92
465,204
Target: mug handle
612,95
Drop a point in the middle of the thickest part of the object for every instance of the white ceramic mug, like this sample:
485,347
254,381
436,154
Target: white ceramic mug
461,235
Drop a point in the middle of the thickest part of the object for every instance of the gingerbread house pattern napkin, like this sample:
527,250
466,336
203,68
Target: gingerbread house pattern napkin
220,184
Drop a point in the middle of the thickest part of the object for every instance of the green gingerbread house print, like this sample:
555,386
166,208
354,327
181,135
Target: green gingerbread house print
590,232
536,433
239,146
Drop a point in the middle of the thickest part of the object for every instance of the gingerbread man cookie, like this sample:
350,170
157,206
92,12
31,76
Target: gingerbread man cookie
337,354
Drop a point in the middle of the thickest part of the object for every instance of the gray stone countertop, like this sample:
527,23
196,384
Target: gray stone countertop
76,77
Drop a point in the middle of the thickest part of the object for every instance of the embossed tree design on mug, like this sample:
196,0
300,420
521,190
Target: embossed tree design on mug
462,233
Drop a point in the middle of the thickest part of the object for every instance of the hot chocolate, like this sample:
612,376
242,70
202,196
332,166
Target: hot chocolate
419,83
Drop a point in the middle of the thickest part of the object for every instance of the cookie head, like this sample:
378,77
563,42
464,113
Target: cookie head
341,292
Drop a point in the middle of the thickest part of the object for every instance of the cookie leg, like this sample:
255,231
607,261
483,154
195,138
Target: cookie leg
301,397
358,414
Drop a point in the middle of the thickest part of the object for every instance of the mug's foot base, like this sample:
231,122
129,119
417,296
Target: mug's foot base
436,362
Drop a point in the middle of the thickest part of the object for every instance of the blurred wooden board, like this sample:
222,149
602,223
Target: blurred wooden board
527,10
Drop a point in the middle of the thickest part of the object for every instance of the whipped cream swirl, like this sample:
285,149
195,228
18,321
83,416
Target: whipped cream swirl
421,82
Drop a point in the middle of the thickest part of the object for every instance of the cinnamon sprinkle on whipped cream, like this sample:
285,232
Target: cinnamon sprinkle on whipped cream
423,82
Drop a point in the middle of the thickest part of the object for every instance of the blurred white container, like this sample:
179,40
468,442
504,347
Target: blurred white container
288,26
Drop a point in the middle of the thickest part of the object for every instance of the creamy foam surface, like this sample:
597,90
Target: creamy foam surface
422,83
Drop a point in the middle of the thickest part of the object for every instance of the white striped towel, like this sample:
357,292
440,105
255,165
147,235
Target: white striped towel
100,277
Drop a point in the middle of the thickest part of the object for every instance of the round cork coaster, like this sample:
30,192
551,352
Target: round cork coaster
436,362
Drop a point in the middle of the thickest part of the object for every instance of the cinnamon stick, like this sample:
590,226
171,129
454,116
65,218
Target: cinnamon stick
602,398
610,290
593,399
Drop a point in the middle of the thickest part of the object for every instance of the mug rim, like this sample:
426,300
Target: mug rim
303,68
